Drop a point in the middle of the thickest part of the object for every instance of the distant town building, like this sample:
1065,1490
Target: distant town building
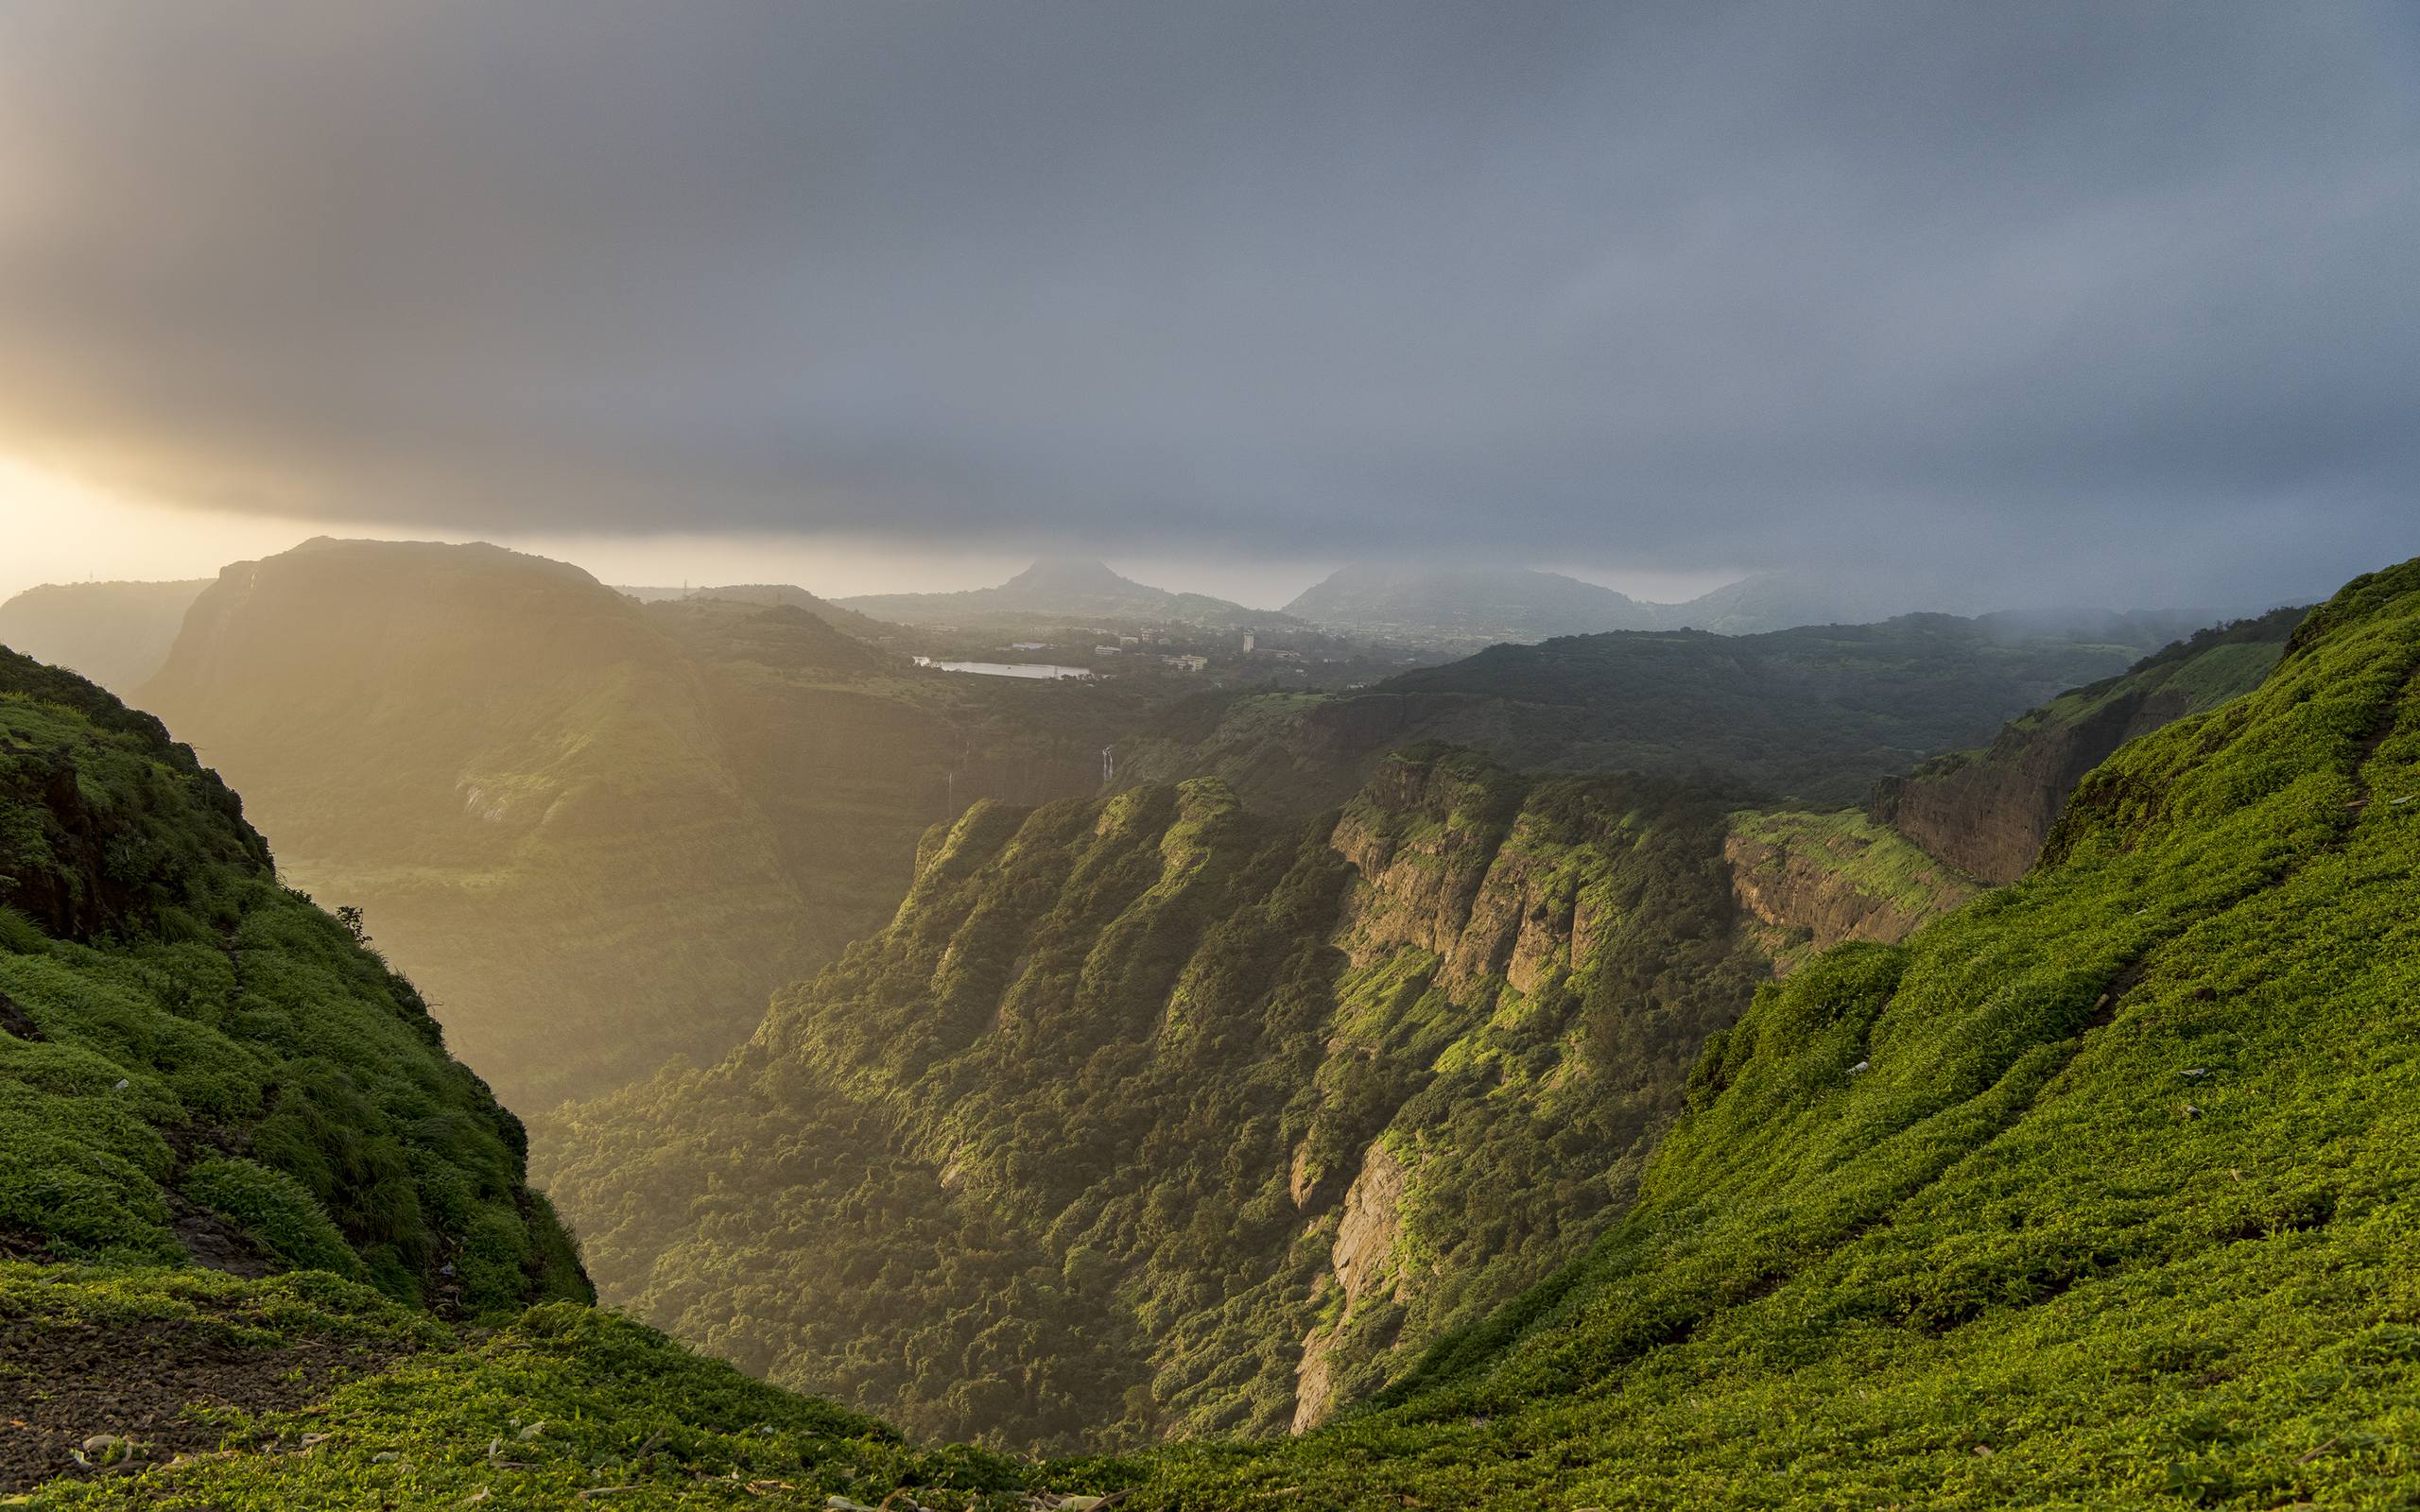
1029,645
1248,644
1192,663
1109,650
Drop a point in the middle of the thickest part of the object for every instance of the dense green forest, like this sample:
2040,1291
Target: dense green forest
1810,716
2090,1193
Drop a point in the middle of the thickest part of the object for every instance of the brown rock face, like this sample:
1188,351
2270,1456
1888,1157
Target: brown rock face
1365,1238
1989,816
1450,870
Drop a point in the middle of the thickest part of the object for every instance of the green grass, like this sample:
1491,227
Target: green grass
560,1400
181,1030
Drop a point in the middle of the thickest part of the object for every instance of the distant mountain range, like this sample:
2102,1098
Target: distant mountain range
1065,587
1470,607
776,595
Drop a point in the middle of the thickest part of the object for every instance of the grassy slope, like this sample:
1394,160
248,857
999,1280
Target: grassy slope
191,1053
2119,1215
559,1406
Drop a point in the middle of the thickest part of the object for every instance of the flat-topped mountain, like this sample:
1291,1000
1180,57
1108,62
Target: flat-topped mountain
778,595
517,776
599,831
1065,587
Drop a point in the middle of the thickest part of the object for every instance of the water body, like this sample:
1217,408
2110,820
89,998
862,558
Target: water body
1007,669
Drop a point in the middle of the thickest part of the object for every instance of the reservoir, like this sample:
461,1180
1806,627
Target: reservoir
1006,669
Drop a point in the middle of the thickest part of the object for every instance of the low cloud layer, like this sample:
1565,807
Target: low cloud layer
2120,300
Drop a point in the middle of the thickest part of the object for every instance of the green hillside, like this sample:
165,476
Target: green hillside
1810,716
1987,812
2094,1193
196,1062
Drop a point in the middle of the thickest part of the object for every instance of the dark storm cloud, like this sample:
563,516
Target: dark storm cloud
2112,291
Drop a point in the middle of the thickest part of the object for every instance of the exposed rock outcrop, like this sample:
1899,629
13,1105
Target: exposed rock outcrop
1365,1242
1986,813
1818,879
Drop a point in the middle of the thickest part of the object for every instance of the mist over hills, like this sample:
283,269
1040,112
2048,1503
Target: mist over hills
116,634
520,781
1066,586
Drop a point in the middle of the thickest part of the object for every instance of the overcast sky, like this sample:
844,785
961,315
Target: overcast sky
2104,299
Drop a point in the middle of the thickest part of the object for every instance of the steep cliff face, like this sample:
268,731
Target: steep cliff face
1814,879
1986,813
1224,1115
1360,1257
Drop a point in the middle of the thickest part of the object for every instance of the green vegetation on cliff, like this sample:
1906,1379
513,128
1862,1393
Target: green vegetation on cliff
2094,1193
1148,1115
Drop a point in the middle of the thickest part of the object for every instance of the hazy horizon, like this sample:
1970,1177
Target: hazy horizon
2059,304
